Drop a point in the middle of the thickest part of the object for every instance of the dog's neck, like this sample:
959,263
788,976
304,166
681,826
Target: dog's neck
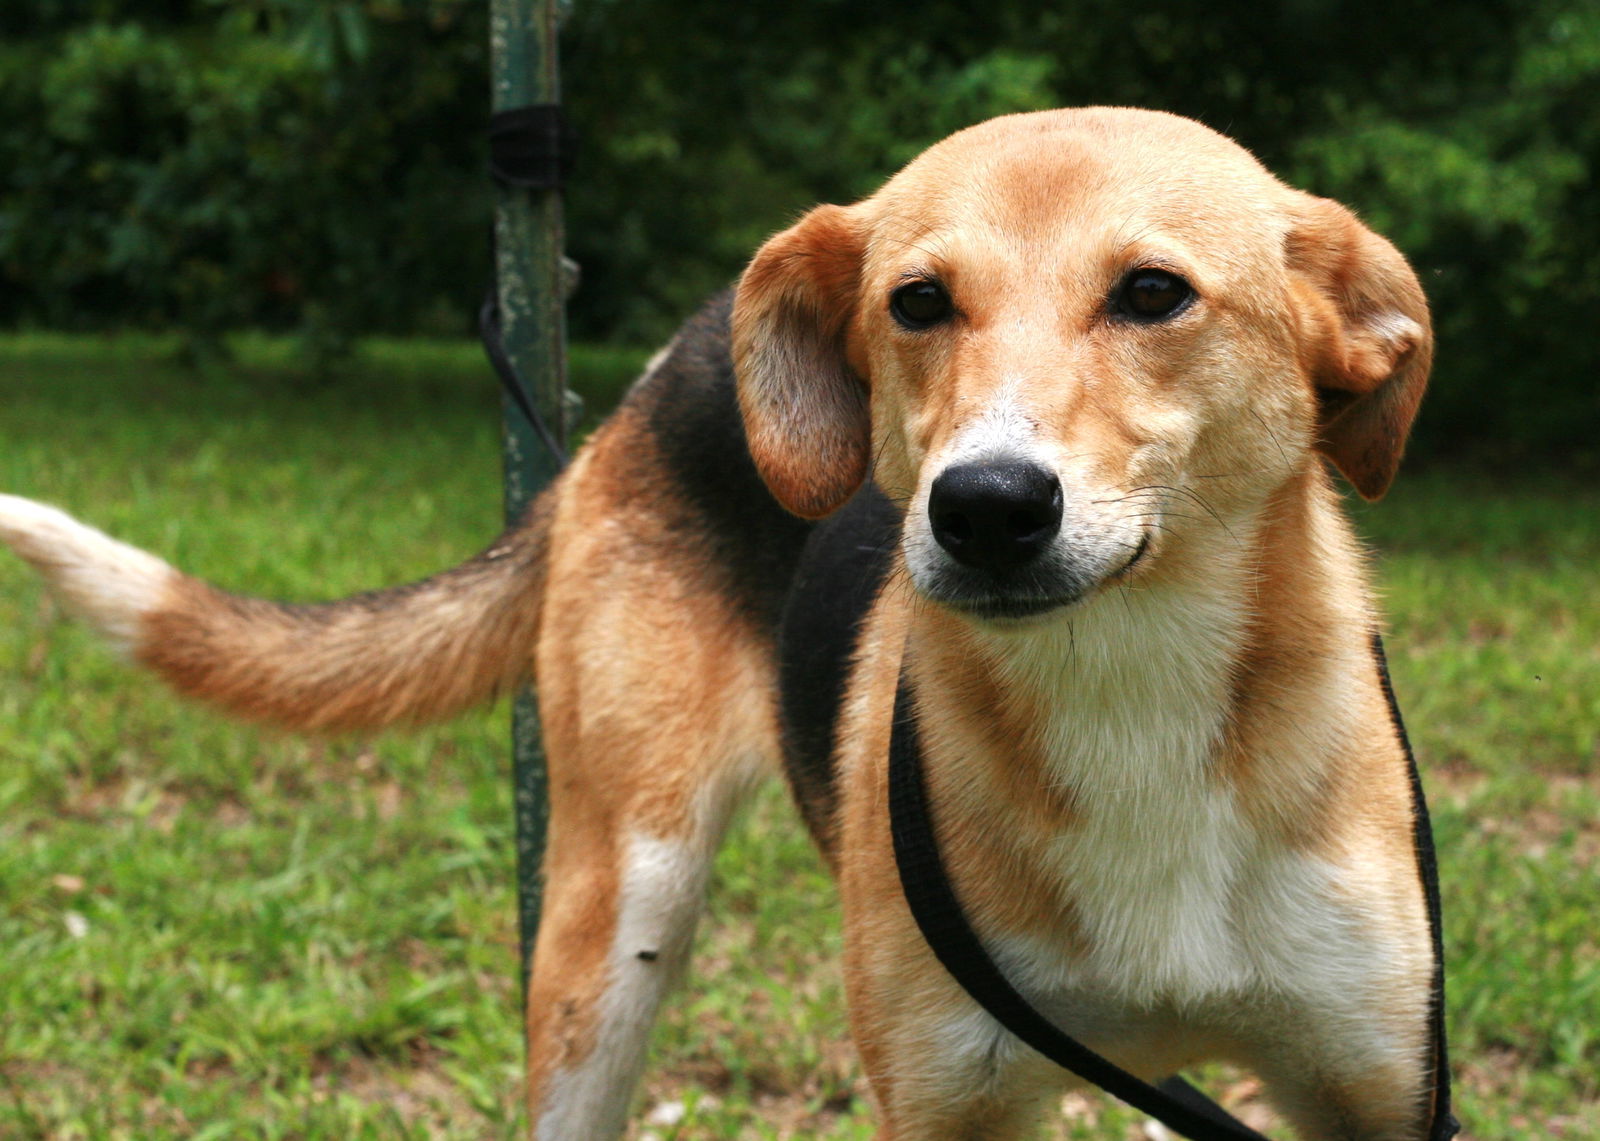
1146,751
1146,683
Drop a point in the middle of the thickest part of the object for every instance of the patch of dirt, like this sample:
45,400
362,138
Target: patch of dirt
1499,1076
421,1094
1239,1094
1564,811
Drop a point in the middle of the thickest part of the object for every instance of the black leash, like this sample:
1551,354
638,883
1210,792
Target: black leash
510,379
1175,1103
1444,1125
531,147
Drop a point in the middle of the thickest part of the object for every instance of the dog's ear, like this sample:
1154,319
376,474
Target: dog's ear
805,409
1371,342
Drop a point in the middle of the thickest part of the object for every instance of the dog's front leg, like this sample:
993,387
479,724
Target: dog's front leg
1366,1079
940,1068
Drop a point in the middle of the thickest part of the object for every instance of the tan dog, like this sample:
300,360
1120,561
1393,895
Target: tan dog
1087,365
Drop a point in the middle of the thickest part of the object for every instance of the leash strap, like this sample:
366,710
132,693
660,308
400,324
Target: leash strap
531,147
944,924
512,381
1444,1125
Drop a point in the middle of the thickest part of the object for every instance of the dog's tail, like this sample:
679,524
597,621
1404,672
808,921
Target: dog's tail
411,654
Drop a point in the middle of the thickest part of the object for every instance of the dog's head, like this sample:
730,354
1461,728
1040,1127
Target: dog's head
1067,341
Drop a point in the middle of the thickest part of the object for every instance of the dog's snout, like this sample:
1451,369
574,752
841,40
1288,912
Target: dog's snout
995,516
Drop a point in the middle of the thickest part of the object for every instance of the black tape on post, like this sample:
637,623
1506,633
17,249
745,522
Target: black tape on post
532,147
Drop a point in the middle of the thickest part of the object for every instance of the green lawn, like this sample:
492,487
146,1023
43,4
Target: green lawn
214,932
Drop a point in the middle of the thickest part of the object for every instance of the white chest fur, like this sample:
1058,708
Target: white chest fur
1178,898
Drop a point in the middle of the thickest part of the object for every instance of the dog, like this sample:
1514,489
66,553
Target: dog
1040,428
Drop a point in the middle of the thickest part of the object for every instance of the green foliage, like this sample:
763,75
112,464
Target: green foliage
1469,133
286,164
318,165
1487,185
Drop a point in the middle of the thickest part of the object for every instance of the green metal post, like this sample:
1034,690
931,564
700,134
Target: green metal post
530,281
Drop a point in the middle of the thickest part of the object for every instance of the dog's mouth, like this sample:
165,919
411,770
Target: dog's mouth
1135,559
1012,610
1019,603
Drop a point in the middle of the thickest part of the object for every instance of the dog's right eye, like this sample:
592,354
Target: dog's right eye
1151,293
920,304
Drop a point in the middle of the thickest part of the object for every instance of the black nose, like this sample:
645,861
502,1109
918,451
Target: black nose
995,517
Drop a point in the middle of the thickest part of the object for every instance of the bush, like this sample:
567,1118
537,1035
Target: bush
211,173
319,164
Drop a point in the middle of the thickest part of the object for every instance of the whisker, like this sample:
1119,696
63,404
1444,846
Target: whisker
1287,466
1199,500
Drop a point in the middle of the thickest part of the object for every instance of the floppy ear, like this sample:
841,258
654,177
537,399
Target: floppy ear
1372,342
805,410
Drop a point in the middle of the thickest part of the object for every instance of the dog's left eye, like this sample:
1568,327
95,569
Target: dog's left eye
1150,294
920,304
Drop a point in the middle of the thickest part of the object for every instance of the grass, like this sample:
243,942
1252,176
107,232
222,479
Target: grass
215,932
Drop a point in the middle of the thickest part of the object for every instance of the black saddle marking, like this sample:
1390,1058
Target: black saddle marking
842,569
728,521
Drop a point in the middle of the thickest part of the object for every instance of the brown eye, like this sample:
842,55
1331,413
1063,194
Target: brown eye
1150,294
920,304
